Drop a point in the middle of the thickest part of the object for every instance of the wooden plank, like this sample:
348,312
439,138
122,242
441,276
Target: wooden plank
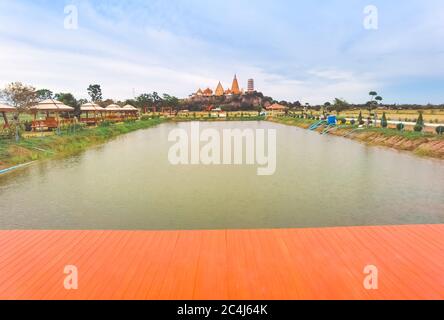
323,263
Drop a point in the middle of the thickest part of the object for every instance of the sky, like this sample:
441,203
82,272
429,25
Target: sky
307,50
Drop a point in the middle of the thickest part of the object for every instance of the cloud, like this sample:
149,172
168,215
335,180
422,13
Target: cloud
310,52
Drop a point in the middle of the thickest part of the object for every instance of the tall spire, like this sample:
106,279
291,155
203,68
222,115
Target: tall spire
219,90
235,87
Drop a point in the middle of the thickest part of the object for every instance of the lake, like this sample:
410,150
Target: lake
129,184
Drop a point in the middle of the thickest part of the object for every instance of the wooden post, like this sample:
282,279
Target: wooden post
6,119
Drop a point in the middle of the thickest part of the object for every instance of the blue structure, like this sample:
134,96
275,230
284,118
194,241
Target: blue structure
332,120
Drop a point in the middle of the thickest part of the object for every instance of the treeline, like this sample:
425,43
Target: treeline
24,96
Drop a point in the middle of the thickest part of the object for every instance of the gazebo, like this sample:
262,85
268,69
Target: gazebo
49,107
88,108
6,109
114,113
131,112
277,108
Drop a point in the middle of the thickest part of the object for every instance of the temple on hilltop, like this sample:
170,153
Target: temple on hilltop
219,92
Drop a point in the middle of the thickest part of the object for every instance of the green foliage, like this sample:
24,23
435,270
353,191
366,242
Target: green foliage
418,128
420,121
44,94
145,118
105,124
360,119
440,130
384,122
400,126
95,92
340,105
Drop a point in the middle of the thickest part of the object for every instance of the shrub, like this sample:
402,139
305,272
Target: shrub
342,120
384,123
418,128
400,126
28,126
352,122
105,124
440,130
360,119
145,118
420,121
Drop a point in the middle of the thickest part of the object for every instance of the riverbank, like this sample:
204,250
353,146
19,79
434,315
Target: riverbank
215,119
55,146
418,143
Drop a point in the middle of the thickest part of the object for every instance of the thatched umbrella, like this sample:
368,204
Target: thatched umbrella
4,109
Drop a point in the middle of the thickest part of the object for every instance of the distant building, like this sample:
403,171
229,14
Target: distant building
235,90
208,92
250,85
219,90
235,87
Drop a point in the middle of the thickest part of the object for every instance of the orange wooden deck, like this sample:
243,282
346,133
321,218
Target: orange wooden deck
259,264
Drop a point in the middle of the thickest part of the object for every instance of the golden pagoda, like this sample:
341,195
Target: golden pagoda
219,90
235,90
235,87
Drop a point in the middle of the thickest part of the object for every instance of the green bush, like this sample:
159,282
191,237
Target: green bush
418,128
384,122
360,119
145,118
400,126
440,130
105,124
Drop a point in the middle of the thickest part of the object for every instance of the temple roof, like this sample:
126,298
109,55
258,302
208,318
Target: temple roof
235,87
208,91
219,90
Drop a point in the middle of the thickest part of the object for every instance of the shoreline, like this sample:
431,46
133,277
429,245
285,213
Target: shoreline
45,147
419,144
31,149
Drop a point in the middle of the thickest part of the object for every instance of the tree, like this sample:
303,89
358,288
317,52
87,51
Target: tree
420,121
69,100
20,96
340,105
170,102
157,100
145,101
372,104
95,92
44,94
360,119
327,107
384,122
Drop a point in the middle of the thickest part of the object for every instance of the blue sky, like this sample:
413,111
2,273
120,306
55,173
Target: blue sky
312,50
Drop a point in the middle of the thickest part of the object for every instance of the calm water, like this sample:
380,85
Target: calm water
129,184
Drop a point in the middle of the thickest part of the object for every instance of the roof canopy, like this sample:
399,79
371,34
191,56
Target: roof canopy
113,107
52,106
6,108
129,107
91,107
277,106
